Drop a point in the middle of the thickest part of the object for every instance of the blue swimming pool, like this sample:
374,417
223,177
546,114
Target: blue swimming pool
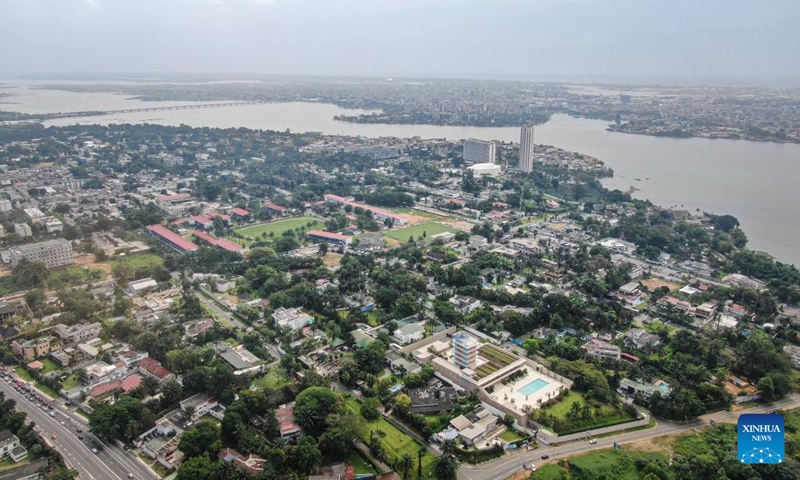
533,387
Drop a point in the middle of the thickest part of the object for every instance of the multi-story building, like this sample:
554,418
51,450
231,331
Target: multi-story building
23,230
53,253
30,349
526,149
176,204
34,214
5,206
77,333
465,350
293,318
172,239
52,225
597,348
478,151
9,446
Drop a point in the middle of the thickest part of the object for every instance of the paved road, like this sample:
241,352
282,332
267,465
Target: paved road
110,463
513,462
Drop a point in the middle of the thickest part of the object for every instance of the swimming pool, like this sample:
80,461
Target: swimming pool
533,387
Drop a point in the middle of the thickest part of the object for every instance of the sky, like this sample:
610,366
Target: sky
696,42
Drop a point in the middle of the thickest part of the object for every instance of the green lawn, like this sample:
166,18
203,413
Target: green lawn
23,374
277,228
49,365
416,231
46,390
71,382
142,260
361,464
510,436
395,442
619,465
609,415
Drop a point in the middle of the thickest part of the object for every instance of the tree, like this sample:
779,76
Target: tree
203,439
446,467
198,468
758,355
30,274
312,407
767,389
371,357
308,453
405,464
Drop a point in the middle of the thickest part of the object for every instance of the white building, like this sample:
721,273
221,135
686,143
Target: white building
78,332
23,230
597,348
526,150
465,350
34,214
53,253
485,169
5,206
478,151
408,333
52,225
293,318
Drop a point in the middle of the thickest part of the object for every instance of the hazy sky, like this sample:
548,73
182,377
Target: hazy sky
669,41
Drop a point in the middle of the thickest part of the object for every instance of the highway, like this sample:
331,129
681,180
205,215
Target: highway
513,462
110,463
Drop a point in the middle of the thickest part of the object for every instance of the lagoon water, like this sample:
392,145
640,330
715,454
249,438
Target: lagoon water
754,181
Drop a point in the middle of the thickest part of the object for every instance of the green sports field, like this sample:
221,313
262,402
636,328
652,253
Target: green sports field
416,231
277,228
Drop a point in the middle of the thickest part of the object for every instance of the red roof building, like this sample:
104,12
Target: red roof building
154,369
329,237
171,239
379,213
274,207
220,243
239,212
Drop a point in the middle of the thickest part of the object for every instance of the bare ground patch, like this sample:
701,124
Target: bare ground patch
654,284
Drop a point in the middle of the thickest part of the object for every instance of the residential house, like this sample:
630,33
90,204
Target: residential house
152,368
409,333
401,366
286,422
10,447
474,425
292,318
640,339
464,304
596,348
251,464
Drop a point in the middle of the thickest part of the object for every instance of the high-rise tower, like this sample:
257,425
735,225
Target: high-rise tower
526,150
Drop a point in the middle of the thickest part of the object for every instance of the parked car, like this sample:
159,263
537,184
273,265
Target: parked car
545,456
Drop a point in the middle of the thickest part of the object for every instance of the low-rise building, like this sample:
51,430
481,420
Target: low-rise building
641,339
465,304
10,447
23,230
142,286
292,318
474,425
77,333
596,348
286,422
408,333
794,353
152,368
428,400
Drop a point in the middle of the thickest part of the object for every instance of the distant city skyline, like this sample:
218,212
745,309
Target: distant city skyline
714,42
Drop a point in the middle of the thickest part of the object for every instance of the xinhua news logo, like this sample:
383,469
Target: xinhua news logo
761,438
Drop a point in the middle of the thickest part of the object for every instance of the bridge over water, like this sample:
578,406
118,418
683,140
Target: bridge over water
151,109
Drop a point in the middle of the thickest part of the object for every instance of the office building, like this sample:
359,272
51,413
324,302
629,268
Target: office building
78,332
293,318
526,150
53,253
478,151
465,350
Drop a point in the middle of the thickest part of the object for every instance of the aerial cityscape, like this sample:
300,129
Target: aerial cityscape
381,273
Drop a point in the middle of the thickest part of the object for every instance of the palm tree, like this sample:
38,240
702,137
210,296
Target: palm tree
420,453
406,462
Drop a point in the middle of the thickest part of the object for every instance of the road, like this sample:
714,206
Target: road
512,462
110,463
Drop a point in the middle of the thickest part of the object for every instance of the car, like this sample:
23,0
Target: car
80,437
130,475
79,430
52,414
545,457
63,423
126,448
54,436
94,450
592,441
